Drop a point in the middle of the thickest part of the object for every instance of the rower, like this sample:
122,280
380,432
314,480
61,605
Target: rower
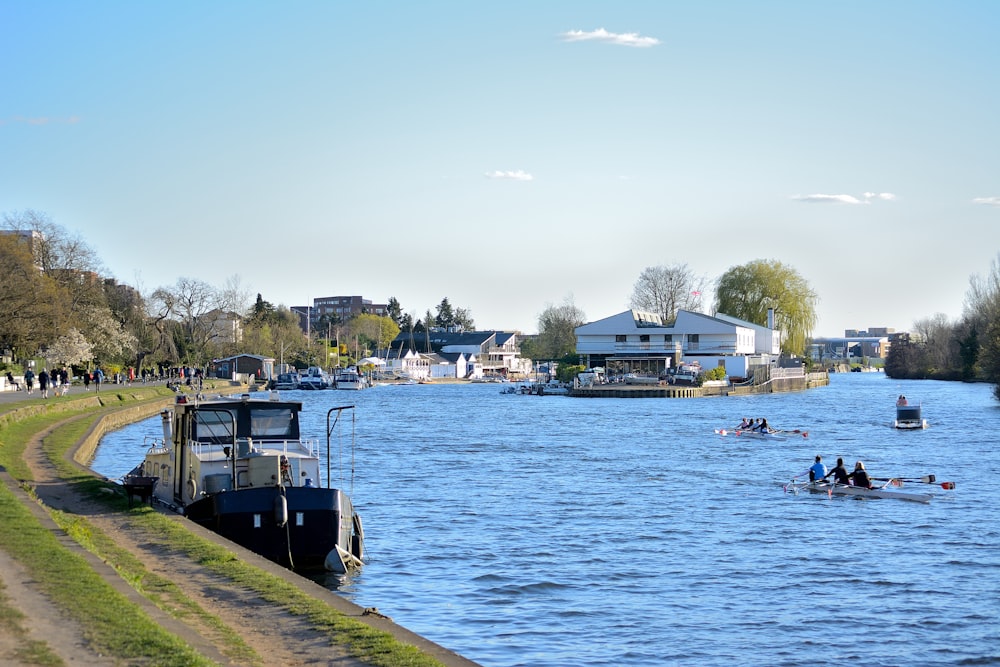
860,476
839,473
817,471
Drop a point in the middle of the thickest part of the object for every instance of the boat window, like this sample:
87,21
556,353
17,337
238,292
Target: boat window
908,413
213,425
272,423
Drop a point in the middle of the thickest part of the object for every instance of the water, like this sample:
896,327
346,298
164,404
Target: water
550,531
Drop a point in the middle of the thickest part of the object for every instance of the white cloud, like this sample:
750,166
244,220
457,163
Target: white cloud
844,199
518,175
989,201
601,35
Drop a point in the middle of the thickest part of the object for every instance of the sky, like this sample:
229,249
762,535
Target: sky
514,156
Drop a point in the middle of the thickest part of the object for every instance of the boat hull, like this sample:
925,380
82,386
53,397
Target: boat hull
861,492
299,533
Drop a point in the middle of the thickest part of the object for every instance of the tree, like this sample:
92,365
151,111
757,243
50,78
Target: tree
63,256
463,319
187,303
395,311
982,315
557,330
666,289
749,290
31,303
445,315
70,349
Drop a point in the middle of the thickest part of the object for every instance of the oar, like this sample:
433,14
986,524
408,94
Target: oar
804,434
926,479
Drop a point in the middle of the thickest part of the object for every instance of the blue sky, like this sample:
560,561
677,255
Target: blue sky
511,156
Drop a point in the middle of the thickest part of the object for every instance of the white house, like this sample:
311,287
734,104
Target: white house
635,341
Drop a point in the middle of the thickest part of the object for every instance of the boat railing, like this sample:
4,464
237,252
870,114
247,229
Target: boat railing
307,447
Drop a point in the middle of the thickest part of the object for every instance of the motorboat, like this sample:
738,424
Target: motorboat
348,378
909,417
239,467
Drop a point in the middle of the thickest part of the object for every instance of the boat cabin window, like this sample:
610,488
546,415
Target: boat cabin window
278,424
908,413
214,425
266,423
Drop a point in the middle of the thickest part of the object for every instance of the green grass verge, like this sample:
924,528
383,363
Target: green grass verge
111,623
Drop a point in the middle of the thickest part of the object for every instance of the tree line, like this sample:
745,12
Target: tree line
58,308
967,349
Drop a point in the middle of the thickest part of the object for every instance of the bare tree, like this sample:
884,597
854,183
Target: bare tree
666,289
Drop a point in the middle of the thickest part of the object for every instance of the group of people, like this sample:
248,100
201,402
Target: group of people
58,381
758,426
859,477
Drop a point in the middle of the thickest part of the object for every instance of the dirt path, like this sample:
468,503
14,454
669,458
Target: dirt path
279,638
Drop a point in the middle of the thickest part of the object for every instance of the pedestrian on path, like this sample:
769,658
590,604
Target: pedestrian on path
29,379
43,383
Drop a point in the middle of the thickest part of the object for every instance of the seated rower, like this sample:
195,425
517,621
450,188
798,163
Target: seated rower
817,471
745,425
860,476
840,475
763,427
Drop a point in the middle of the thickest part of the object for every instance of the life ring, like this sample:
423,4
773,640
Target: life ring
192,489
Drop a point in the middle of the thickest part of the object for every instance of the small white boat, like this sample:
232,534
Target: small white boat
908,417
348,378
833,489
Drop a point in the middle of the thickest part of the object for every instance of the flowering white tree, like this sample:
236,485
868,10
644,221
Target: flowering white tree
112,342
70,349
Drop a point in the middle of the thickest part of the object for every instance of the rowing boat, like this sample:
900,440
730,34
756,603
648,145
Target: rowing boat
831,488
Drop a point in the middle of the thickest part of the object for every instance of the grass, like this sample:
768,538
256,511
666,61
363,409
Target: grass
29,651
111,623
116,630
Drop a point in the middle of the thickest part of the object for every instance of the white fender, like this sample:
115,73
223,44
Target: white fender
192,489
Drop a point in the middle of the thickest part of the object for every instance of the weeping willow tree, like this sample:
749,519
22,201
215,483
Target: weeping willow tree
749,290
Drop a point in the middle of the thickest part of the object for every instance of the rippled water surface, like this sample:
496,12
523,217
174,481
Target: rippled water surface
525,530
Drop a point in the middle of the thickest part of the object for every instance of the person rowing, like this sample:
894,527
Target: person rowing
745,425
817,470
763,427
860,476
840,475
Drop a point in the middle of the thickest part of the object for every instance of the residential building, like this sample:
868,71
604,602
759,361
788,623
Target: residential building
338,308
638,342
221,326
495,352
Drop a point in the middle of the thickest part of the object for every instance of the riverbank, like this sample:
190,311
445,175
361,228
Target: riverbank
232,607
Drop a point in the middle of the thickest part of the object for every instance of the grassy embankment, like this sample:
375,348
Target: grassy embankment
115,626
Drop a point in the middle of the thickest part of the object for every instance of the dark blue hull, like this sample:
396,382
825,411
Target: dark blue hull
298,533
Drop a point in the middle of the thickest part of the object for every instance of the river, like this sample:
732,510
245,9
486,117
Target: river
553,531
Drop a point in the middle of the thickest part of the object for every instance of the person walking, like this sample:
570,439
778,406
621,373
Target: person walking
29,380
43,383
86,380
98,378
